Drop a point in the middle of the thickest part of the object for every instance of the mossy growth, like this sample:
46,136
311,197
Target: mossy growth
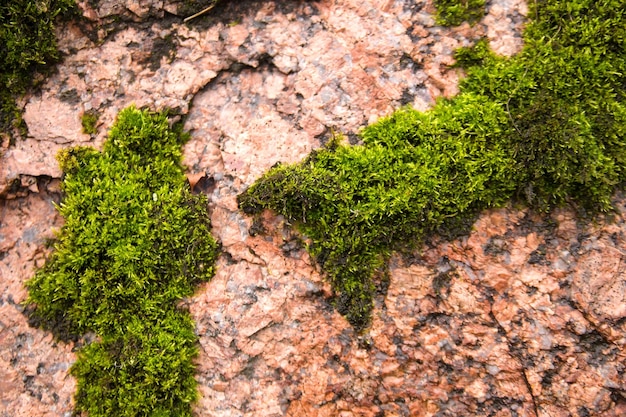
455,12
414,173
89,121
27,46
564,95
547,126
134,243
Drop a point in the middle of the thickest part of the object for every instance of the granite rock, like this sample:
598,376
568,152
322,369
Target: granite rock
522,317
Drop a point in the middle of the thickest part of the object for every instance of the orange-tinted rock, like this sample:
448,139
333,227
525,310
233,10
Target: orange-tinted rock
523,317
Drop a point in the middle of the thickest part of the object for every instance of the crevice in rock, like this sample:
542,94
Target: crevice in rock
516,353
599,330
23,185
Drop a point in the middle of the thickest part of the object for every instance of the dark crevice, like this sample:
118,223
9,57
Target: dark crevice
515,353
591,321
21,186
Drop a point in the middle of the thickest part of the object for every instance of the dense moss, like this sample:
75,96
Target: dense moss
547,126
564,94
146,370
134,243
27,45
455,12
413,173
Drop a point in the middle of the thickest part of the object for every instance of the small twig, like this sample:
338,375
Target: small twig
200,13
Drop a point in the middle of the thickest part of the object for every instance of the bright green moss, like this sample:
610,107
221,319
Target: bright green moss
27,45
455,12
146,370
547,125
134,243
415,172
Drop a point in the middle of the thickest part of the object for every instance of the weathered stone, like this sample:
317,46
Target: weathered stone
34,378
523,317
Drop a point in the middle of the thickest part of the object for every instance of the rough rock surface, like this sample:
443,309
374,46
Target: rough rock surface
524,317
34,377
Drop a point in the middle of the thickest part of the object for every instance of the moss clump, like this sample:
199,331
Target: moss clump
414,173
27,45
565,95
89,121
455,12
134,243
547,125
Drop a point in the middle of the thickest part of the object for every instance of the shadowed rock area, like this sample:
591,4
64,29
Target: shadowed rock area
523,317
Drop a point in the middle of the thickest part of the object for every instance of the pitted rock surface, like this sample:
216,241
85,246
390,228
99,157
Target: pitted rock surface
523,317
34,378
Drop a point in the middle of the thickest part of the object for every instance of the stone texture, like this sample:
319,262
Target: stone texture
523,317
319,65
484,325
34,378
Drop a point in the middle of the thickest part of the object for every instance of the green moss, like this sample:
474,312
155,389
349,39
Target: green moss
89,121
455,12
415,172
134,243
146,370
564,95
547,126
27,46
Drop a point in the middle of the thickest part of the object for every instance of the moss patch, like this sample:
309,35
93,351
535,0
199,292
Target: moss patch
89,121
134,243
455,12
359,203
27,45
564,95
547,126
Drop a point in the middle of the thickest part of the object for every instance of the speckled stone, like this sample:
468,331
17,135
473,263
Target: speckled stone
523,317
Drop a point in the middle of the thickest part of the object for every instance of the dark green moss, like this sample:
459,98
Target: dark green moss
564,95
547,126
89,120
134,243
455,12
414,173
27,46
